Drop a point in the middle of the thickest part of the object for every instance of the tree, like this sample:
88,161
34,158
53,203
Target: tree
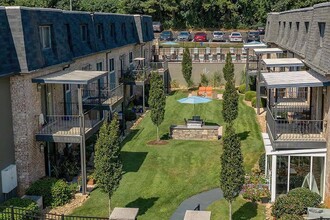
108,166
157,100
187,66
232,171
230,96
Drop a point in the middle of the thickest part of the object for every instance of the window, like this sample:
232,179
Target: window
132,28
111,65
123,31
297,26
146,27
99,31
99,66
69,38
321,30
113,31
83,32
45,37
306,27
290,25
130,57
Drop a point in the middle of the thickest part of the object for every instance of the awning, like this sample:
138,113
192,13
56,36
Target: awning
283,62
267,50
78,77
294,79
254,44
139,59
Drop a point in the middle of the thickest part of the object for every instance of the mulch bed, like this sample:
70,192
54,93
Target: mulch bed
161,142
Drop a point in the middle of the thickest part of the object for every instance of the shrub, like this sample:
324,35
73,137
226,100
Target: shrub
287,205
296,202
307,197
249,95
262,102
130,115
204,80
291,217
25,206
54,192
242,88
61,193
262,162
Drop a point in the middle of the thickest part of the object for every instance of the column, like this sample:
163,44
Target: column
273,180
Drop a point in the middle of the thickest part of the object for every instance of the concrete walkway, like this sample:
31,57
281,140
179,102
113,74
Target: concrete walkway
203,199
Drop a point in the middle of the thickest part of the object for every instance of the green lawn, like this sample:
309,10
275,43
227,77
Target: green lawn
242,209
158,178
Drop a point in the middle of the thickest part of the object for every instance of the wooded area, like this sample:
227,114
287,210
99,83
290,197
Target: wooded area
178,14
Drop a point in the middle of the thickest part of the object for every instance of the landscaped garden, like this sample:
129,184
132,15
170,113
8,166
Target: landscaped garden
159,177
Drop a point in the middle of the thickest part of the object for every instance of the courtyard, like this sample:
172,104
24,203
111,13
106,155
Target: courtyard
158,178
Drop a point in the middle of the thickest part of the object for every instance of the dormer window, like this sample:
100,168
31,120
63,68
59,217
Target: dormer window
45,37
123,31
83,32
321,30
99,31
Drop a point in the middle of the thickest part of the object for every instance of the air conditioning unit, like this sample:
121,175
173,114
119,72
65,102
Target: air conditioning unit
9,178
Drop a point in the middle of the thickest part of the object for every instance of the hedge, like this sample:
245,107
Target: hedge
263,102
249,95
25,206
53,191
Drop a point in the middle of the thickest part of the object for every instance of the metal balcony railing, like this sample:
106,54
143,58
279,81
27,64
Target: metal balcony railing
290,129
105,96
68,125
155,66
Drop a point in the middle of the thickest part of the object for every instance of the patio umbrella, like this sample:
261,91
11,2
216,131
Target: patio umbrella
194,100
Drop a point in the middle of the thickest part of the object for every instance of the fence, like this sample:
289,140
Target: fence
16,213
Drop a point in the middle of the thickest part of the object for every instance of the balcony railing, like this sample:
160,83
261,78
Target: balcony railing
155,66
105,96
286,129
69,125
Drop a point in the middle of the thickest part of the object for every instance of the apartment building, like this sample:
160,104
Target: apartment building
60,77
297,87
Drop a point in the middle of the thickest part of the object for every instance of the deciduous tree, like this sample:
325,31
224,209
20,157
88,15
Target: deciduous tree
108,165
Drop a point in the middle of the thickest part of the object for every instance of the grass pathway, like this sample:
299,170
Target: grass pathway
158,178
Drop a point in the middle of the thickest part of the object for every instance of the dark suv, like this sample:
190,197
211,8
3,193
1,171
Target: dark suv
253,36
166,35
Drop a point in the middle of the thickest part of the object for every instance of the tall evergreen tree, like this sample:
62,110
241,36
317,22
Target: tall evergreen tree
108,165
187,66
157,100
232,171
230,96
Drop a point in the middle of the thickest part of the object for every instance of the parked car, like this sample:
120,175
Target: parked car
200,37
253,36
218,36
235,37
261,30
157,26
184,36
166,35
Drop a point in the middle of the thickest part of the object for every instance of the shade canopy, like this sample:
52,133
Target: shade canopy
197,215
254,44
194,100
283,62
294,79
78,77
267,50
170,43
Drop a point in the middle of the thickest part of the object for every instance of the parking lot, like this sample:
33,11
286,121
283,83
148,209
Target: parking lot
209,35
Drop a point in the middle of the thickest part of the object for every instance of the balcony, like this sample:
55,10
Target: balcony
106,98
69,128
291,133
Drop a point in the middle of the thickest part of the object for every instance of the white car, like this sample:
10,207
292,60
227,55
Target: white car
235,37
